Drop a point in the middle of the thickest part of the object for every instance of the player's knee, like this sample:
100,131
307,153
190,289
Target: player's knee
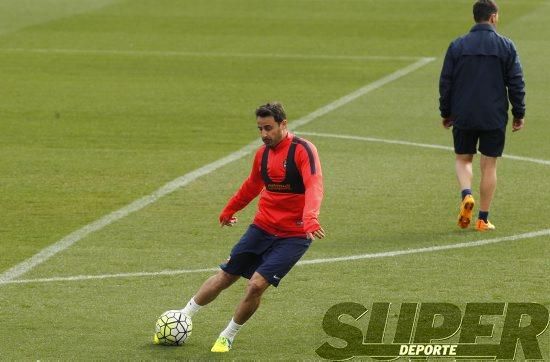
256,287
254,290
464,158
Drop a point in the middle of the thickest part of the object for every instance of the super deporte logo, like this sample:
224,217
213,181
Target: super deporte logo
421,330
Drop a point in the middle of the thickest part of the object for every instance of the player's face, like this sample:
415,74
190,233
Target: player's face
271,132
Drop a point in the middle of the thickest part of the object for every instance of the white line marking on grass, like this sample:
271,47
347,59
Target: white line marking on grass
184,180
361,91
385,254
142,53
527,159
430,249
414,144
109,276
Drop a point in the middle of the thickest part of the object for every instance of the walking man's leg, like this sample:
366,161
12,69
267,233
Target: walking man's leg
487,189
464,174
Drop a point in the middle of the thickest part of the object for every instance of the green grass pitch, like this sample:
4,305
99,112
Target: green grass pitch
103,102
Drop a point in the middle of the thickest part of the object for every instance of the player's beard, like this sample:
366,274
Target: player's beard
275,140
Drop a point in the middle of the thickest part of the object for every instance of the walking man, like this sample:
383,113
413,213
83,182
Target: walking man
481,73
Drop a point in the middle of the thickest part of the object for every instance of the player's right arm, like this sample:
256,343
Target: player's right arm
445,86
250,188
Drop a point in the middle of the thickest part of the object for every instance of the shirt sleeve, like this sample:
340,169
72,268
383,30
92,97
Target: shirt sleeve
515,83
312,175
445,84
250,188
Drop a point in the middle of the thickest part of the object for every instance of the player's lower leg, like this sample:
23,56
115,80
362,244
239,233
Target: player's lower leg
483,223
488,182
225,339
464,171
487,189
191,307
464,174
209,291
246,308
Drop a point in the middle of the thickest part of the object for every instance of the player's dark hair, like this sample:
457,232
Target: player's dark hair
272,109
483,9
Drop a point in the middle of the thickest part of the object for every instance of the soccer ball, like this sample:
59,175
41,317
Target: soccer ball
173,328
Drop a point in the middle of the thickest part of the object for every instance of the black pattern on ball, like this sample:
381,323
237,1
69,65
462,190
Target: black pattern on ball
173,328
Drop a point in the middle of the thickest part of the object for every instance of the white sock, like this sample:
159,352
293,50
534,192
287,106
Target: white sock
231,330
191,308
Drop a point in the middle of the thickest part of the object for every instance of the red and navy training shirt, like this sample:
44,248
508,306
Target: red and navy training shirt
285,214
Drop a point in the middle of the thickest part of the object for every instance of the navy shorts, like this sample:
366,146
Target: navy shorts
271,256
491,142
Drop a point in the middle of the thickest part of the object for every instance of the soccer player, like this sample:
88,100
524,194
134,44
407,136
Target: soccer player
481,72
286,173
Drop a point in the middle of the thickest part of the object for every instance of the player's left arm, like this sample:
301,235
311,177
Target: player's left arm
310,168
516,88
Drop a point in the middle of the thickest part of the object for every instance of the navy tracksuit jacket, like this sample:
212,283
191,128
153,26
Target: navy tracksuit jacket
480,73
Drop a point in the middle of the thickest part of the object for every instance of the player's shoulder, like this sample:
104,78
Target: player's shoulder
460,39
502,37
507,42
305,148
303,141
305,144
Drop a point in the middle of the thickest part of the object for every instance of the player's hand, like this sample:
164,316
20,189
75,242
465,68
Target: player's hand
447,122
227,219
228,222
232,221
317,234
517,124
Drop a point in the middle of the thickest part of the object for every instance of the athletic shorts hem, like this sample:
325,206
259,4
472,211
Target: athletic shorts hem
489,143
270,256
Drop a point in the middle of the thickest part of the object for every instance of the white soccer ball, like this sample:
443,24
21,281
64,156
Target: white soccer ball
173,328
